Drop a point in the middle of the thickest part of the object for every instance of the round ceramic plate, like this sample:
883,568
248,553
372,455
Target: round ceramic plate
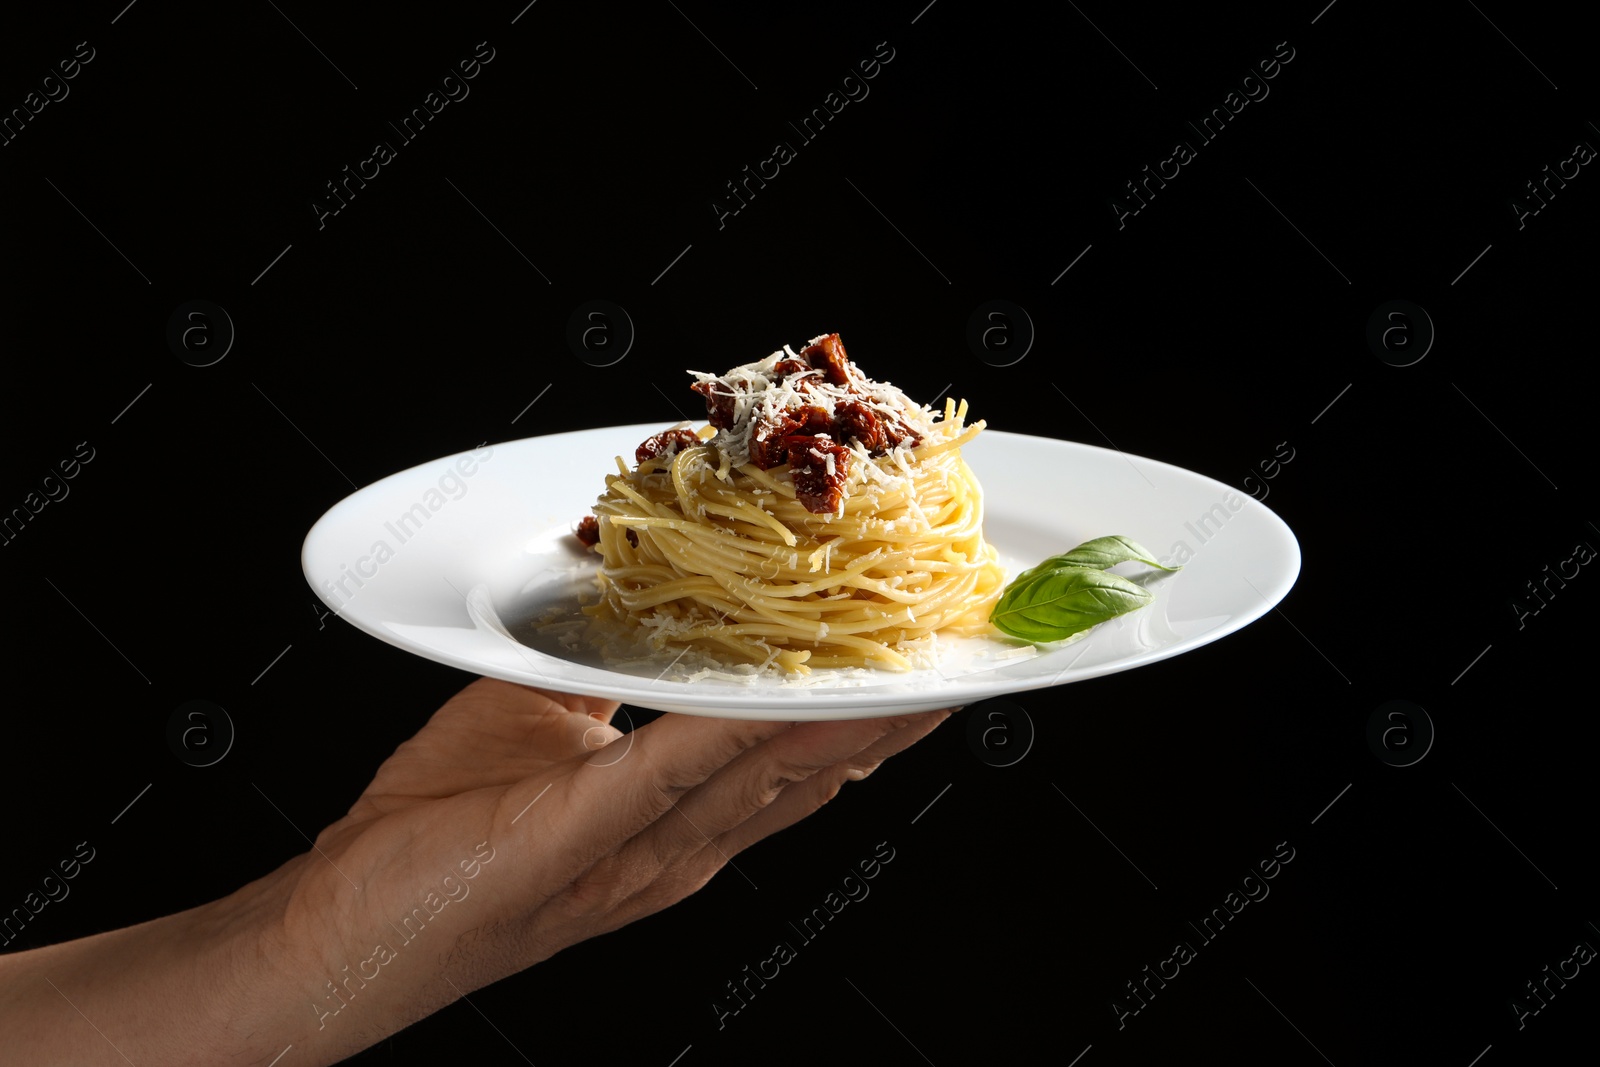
470,560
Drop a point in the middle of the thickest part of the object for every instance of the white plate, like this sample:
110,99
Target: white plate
488,546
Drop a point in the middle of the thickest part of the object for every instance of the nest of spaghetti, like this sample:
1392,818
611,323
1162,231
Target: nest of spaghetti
821,520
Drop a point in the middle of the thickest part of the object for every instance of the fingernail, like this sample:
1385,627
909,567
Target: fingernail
596,737
855,774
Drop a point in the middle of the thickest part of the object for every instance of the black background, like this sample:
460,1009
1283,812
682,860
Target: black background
1205,331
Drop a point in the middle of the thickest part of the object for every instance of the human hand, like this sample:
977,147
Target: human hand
516,823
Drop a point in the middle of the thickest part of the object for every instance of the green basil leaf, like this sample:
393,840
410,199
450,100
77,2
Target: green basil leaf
1072,592
1061,601
1105,552
1099,554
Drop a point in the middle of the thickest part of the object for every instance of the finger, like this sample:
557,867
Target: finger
760,776
676,753
682,851
755,781
523,702
804,798
723,771
567,723
620,790
512,709
598,708
587,719
579,733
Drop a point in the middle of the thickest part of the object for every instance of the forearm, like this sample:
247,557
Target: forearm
219,984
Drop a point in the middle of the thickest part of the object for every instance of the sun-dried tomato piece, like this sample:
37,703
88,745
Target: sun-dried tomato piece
861,422
828,356
785,367
768,447
665,443
817,420
901,434
768,441
719,403
588,530
819,468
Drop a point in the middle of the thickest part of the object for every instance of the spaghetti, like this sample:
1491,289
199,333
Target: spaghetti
838,557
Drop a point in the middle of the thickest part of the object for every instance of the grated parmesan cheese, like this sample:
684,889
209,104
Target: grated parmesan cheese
761,396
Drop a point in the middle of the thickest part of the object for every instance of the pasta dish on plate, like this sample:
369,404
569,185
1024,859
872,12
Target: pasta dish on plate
820,519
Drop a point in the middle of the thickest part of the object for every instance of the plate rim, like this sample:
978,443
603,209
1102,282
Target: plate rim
842,701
